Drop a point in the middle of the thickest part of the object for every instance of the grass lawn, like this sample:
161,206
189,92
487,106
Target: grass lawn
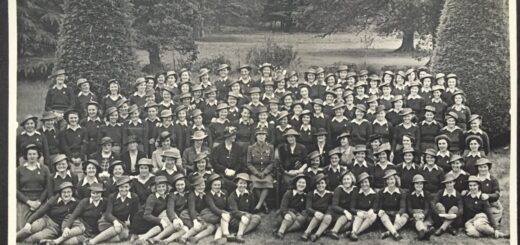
313,51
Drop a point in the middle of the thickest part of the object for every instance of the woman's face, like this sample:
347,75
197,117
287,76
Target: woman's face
418,186
49,123
223,72
280,84
262,116
390,181
185,76
201,165
113,117
167,120
245,113
321,138
321,76
386,90
343,74
474,145
301,184
266,71
334,159
150,84
399,79
450,185
134,115
235,87
360,90
185,88
407,118
311,77
180,185
387,78
473,187
331,81
200,187
118,171
429,116
317,108
304,92
451,121
347,180
483,169
349,100
373,83
171,80
284,121
268,89
73,119
365,184
92,110
66,194
351,80
344,141
360,156
381,115
382,157
398,104
85,87
315,162
114,88
407,141
241,185
198,143
107,147
216,185
287,100
475,124
255,96
261,137
452,82
359,114
429,159
293,79
144,170
414,90
411,76
160,78
62,166
232,101
198,120
211,96
32,155
427,82
223,114
91,170
458,99
169,162
124,108
408,157
30,125
124,189
141,87
95,195
166,95
297,109
456,165
321,185
244,72
441,81
132,146
161,188
291,139
442,144
339,112
181,115
306,119
197,93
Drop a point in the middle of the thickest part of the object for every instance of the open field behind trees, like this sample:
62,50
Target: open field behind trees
312,51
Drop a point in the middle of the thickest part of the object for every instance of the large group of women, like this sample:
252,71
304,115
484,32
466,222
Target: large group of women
185,156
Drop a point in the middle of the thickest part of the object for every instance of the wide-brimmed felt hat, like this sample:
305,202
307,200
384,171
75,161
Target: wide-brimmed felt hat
133,108
184,69
31,147
437,87
483,161
203,72
320,70
58,158
406,111
123,180
418,178
389,173
330,75
196,112
423,68
243,176
335,151
384,84
223,66
48,115
262,109
64,185
196,180
397,98
161,179
106,140
451,75
359,148
301,176
144,161
222,106
351,74
177,176
262,66
304,85
409,71
98,187
27,118
408,150
317,178
171,73
274,100
230,131
180,108
391,73
58,72
415,84
374,77
439,75
232,82
321,131
187,95
269,83
430,108
166,113
310,71
171,154
164,135
338,106
331,92
313,154
282,115
342,68
262,130
114,164
380,108
347,93
427,75
373,137
459,92
363,176
442,136
199,157
361,107
291,131
343,135
410,136
431,152
372,98
360,84
245,66
110,110
449,177
213,177
211,89
291,74
199,135
455,157
188,82
475,179
363,73
473,137
121,102
150,92
81,81
401,73
383,148
139,80
93,162
68,112
93,102
451,114
150,105
473,117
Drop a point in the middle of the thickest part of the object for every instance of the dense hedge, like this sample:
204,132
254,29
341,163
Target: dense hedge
473,43
96,42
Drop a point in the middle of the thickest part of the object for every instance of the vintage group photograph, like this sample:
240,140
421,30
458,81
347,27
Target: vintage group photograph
264,122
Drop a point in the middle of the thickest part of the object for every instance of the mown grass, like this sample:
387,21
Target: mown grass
313,51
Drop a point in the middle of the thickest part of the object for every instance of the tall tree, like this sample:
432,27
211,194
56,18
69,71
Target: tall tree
165,25
473,43
95,41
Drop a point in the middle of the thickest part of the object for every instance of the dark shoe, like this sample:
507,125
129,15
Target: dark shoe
266,209
385,234
439,232
314,237
451,231
333,235
239,239
397,237
505,235
305,237
429,233
347,234
420,235
278,235
353,237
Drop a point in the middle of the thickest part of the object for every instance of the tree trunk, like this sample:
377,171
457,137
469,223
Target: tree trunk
407,45
154,55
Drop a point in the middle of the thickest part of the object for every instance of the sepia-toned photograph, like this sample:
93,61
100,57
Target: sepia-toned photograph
263,122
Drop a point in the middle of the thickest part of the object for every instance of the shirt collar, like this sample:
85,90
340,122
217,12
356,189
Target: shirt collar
363,164
335,170
66,173
295,192
408,167
477,196
430,169
446,154
305,127
72,199
411,96
472,154
387,164
30,134
73,129
241,121
85,94
95,203
371,191
429,123
37,165
476,131
321,195
160,196
96,119
45,129
262,124
240,194
485,177
128,195
199,194
418,193
219,193
198,127
183,123
359,122
55,86
214,103
319,115
387,190
179,193
446,193
383,123
135,124
113,125
342,118
85,181
436,100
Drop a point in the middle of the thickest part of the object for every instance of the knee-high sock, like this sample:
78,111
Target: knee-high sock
104,235
367,222
342,220
325,222
150,233
206,232
244,221
286,223
387,223
314,222
253,223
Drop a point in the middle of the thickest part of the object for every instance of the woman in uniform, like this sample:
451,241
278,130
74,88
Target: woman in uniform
340,210
317,204
392,206
364,206
61,174
260,163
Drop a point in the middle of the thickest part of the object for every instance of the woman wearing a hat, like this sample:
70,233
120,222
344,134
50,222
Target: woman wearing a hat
306,130
414,101
50,132
318,85
382,165
400,88
292,83
321,145
30,135
347,154
418,208
428,129
282,125
132,155
197,146
233,110
442,143
463,111
394,114
201,167
142,183
269,90
456,163
197,203
245,80
317,204
406,127
426,88
373,86
255,103
152,219
33,181
170,167
82,223
437,102
92,124
260,163
139,96
216,212
209,108
386,95
241,205
372,103
223,81
165,144
46,222
218,125
295,110
364,205
84,96
478,217
113,96
360,164
474,122
59,96
431,171
167,102
392,205
473,154
408,168
454,133
490,188
204,78
135,126
181,128
122,206
61,174
451,89
320,119
360,128
104,156
381,126
293,205
91,171
116,171
314,165
113,129
291,157
177,211
339,123
228,158
340,210
197,124
447,207
245,127
305,98
333,169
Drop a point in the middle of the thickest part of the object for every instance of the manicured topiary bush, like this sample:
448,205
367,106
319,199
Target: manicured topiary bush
96,42
473,43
